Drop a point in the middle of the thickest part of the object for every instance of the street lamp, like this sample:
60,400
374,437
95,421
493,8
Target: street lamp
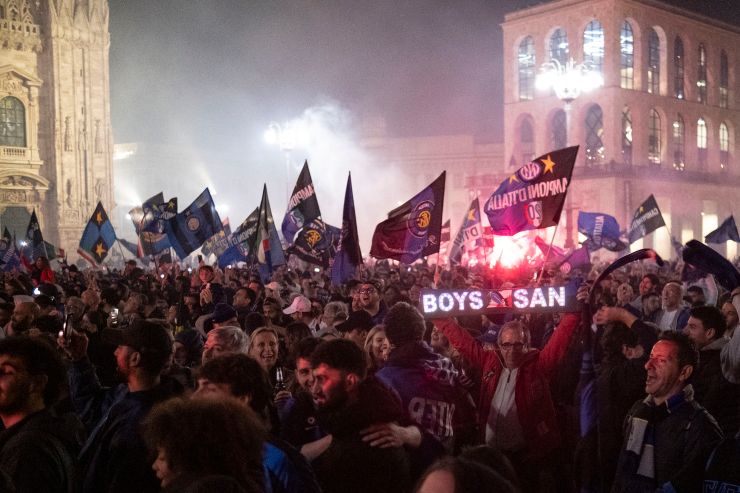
284,137
568,80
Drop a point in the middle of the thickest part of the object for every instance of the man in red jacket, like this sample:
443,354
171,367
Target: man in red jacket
515,409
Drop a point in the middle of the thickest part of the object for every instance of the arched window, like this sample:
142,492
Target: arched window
12,122
654,141
594,132
653,65
626,136
559,46
679,133
526,69
701,76
701,142
678,68
526,138
559,130
593,46
724,147
627,57
724,80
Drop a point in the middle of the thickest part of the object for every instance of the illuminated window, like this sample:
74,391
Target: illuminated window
594,133
593,46
724,147
12,122
627,57
724,80
654,141
701,142
701,76
559,46
653,66
626,136
679,131
526,69
526,138
559,130
678,60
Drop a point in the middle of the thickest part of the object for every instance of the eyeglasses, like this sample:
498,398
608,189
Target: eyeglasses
508,346
367,291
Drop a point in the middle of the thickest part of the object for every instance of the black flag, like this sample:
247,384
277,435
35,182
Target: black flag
303,206
647,218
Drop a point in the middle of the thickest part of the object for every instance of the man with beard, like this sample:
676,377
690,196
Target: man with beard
349,403
23,318
114,458
37,448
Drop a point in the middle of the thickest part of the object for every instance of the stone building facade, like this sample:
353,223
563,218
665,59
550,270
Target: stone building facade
56,143
665,121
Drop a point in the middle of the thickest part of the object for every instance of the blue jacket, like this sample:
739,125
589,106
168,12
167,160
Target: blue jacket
426,384
115,457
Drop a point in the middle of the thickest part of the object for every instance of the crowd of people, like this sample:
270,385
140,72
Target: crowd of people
191,380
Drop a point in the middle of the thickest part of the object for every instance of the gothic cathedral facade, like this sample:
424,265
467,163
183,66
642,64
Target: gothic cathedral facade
56,143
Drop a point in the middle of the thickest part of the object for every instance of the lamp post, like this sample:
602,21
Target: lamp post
282,136
568,80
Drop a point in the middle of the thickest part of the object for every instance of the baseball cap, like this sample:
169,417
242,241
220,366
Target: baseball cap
223,312
300,304
356,320
142,335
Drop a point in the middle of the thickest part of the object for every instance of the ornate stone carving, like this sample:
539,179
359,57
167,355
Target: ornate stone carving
71,215
12,85
67,133
13,196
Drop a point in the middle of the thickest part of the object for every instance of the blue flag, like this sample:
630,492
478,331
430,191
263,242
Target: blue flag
348,258
470,234
316,243
602,231
532,197
413,229
266,247
189,229
98,237
303,206
130,246
727,231
9,255
149,222
579,259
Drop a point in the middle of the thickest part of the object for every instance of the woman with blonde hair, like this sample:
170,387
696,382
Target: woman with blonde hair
377,348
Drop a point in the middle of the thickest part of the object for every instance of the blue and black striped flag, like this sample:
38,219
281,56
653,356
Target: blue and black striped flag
189,229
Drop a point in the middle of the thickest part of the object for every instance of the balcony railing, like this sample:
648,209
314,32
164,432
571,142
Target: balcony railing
14,153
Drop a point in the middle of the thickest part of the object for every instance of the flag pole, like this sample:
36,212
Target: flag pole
547,255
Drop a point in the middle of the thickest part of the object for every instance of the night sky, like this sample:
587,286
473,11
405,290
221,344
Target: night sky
211,74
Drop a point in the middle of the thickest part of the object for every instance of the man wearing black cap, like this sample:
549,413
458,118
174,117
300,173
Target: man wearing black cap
224,316
356,327
114,458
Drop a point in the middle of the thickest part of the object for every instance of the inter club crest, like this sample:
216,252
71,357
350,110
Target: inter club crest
420,218
193,223
313,237
530,171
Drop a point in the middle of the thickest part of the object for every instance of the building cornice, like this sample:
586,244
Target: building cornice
537,10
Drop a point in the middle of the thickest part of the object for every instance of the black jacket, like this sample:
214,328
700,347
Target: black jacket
38,453
713,391
349,464
684,436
